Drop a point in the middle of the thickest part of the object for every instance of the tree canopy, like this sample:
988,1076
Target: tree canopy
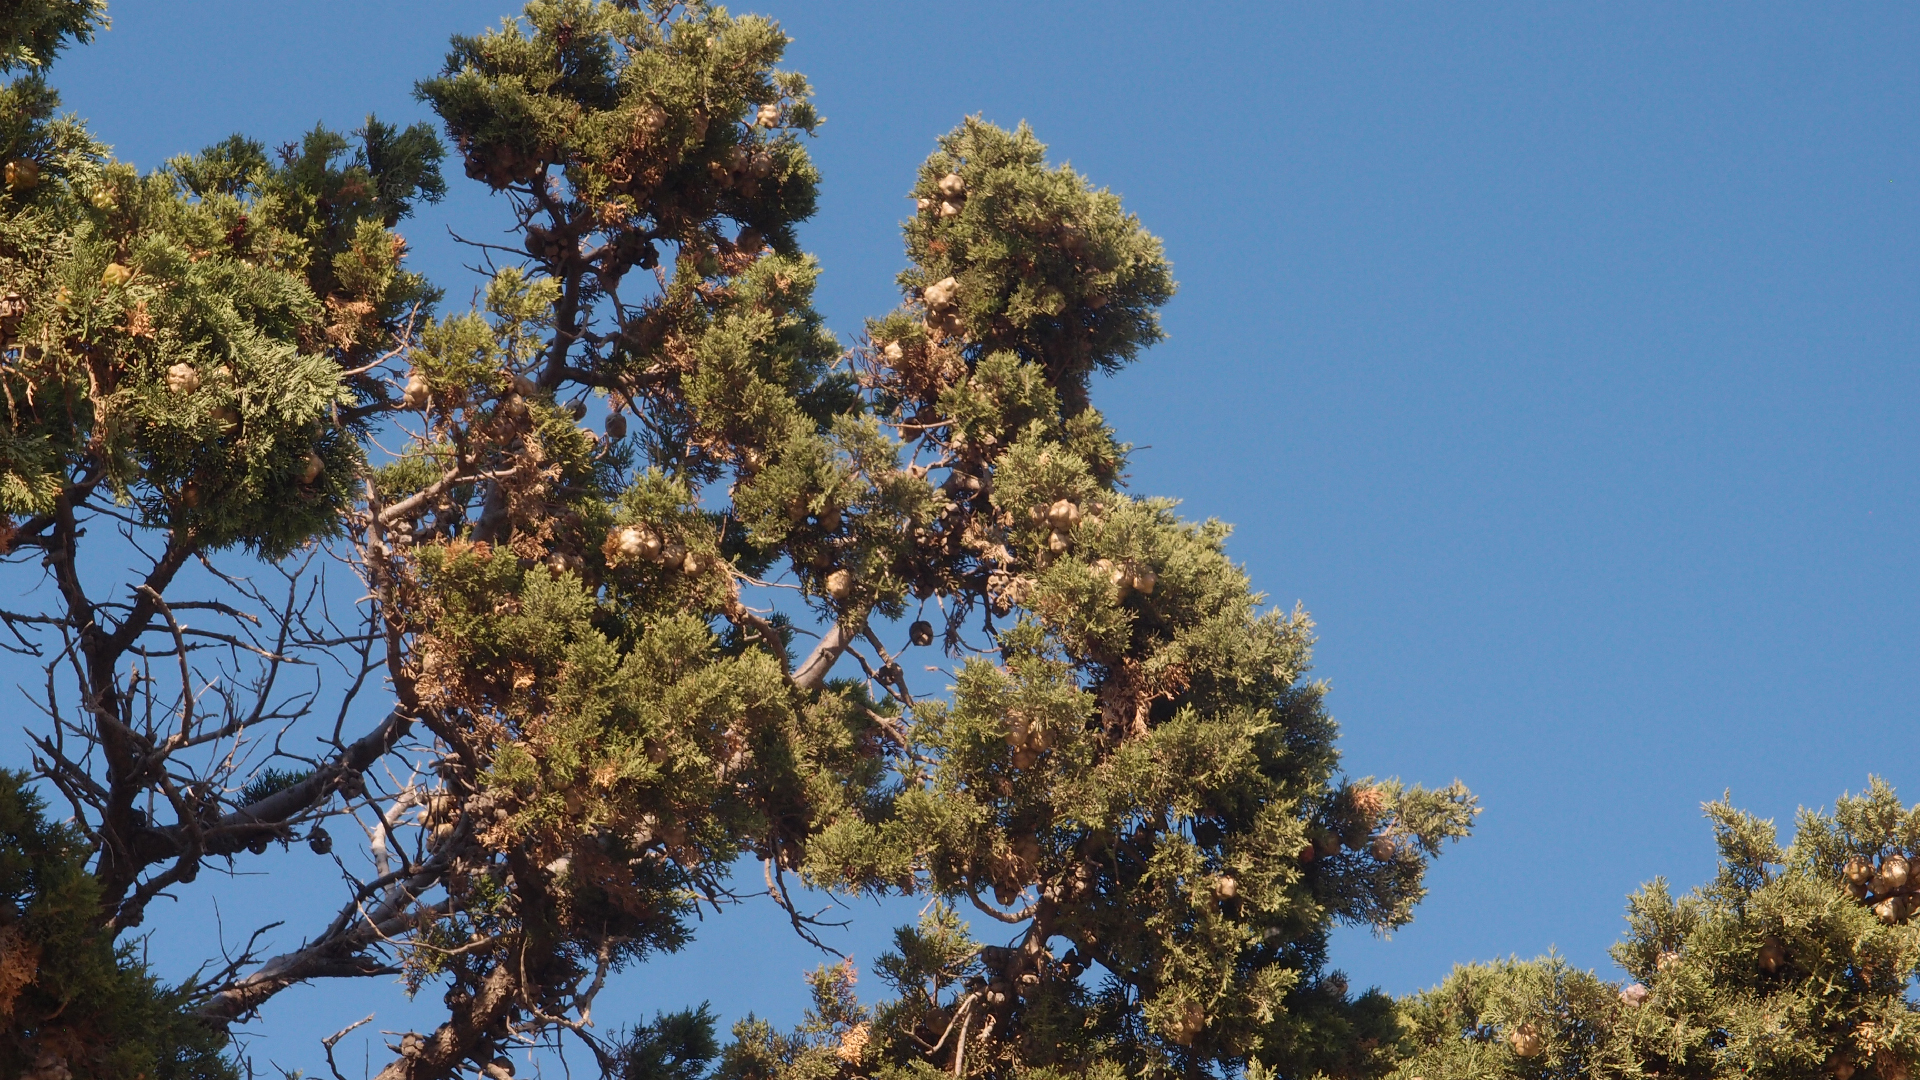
1792,962
614,578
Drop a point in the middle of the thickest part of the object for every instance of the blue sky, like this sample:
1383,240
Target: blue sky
1560,359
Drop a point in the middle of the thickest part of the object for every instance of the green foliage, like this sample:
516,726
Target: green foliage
322,210
1465,1027
68,998
1045,265
404,167
637,111
599,716
1134,762
630,757
179,336
33,31
673,1046
269,781
1783,966
832,1037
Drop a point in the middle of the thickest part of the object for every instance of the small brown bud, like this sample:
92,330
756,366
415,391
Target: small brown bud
1526,1041
840,584
767,116
920,633
616,426
313,468
953,187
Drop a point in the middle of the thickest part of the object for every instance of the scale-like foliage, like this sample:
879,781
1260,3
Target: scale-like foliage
1790,964
69,1000
32,32
178,338
1132,759
596,633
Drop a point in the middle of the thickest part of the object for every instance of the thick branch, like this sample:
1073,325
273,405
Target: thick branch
231,832
440,1055
340,953
813,672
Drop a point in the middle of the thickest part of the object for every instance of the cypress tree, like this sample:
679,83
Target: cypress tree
1131,761
645,556
1792,962
72,1003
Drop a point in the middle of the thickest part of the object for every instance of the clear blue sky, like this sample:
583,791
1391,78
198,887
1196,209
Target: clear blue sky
1559,358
